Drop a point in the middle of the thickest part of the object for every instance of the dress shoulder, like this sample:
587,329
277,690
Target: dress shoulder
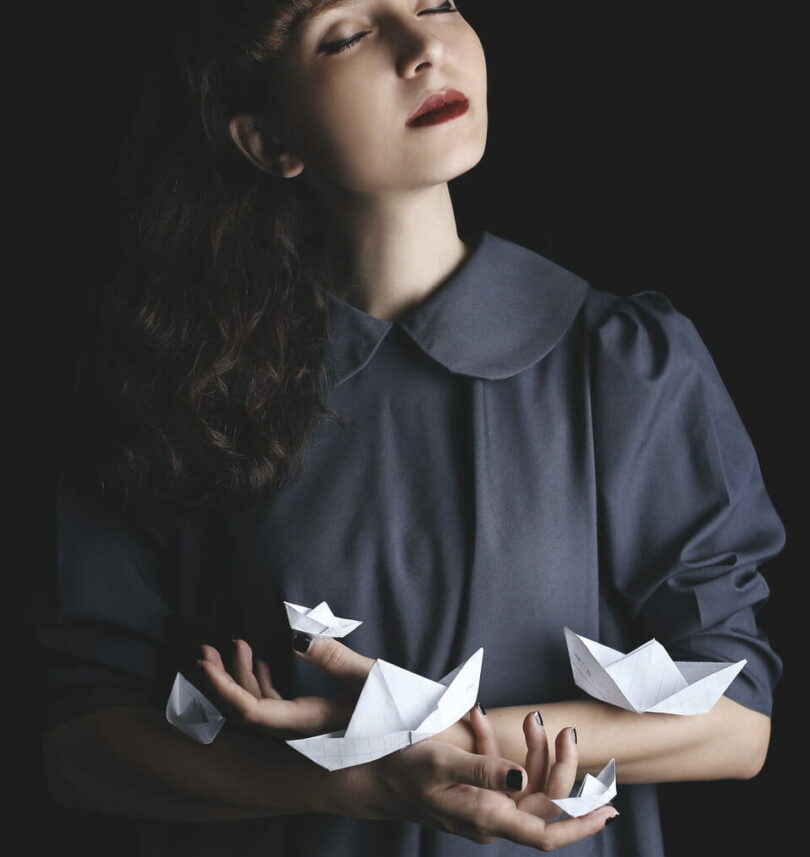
685,518
644,333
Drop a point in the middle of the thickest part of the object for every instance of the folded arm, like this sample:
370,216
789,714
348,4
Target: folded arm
728,742
127,761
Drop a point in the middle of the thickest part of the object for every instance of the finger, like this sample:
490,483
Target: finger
212,655
486,739
333,657
473,769
304,715
563,772
512,823
209,653
243,667
537,753
266,680
539,804
234,699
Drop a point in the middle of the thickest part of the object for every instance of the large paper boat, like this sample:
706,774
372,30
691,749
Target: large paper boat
319,620
396,708
647,679
192,712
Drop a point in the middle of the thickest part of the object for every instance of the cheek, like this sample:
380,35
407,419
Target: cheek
474,61
347,132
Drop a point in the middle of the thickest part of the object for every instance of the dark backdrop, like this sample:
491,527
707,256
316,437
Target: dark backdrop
641,149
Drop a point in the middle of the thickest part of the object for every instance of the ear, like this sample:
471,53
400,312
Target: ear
262,148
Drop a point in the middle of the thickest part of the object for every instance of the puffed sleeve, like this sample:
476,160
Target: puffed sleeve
100,611
685,519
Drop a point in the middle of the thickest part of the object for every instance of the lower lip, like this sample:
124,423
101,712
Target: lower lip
443,114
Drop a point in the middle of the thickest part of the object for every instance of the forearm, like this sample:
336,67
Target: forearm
130,761
728,742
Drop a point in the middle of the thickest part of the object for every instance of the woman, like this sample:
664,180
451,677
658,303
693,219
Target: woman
317,391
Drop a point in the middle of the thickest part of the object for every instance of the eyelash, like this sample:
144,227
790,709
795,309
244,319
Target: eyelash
338,47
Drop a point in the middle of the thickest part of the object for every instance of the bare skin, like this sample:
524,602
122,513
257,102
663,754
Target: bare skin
543,781
128,761
729,742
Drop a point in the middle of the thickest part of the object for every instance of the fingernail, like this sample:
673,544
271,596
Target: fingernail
481,708
514,780
574,734
301,641
538,718
612,817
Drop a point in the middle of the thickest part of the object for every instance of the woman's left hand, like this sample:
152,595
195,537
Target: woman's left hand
545,783
247,694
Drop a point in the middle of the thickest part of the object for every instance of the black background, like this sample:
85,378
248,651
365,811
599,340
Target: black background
640,148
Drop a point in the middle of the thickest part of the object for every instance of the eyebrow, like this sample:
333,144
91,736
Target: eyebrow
326,5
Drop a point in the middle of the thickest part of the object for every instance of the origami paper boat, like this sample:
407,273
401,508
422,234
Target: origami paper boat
192,713
647,679
593,793
395,708
319,620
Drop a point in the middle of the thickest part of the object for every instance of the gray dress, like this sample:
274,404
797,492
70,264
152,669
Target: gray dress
523,451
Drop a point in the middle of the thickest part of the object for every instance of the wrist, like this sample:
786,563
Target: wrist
346,791
359,793
308,787
355,791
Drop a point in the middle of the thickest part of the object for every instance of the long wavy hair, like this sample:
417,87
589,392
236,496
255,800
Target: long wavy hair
208,370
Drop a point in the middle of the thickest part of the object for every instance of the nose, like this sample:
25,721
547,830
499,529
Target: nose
418,49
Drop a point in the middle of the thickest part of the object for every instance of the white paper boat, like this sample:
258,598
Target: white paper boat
593,792
395,708
319,620
192,713
647,679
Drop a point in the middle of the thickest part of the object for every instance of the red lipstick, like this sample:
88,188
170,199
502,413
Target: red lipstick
440,108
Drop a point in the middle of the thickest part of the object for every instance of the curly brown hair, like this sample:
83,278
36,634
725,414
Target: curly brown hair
209,365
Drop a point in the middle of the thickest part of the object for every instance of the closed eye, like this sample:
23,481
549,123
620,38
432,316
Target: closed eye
345,44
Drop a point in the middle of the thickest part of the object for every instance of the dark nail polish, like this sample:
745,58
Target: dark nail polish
574,733
538,718
301,641
514,780
481,708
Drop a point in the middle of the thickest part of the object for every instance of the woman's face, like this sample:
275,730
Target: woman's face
356,72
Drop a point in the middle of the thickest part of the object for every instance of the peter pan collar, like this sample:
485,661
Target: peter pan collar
502,311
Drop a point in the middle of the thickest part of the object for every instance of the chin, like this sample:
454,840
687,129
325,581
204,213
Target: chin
462,161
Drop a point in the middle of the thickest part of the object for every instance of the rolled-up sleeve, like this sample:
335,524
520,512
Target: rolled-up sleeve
100,611
685,519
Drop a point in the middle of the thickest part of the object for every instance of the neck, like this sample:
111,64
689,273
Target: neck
395,249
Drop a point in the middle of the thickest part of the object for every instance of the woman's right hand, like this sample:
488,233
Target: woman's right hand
248,696
443,787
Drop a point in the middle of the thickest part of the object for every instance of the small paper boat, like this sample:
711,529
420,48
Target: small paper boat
593,792
319,620
192,712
